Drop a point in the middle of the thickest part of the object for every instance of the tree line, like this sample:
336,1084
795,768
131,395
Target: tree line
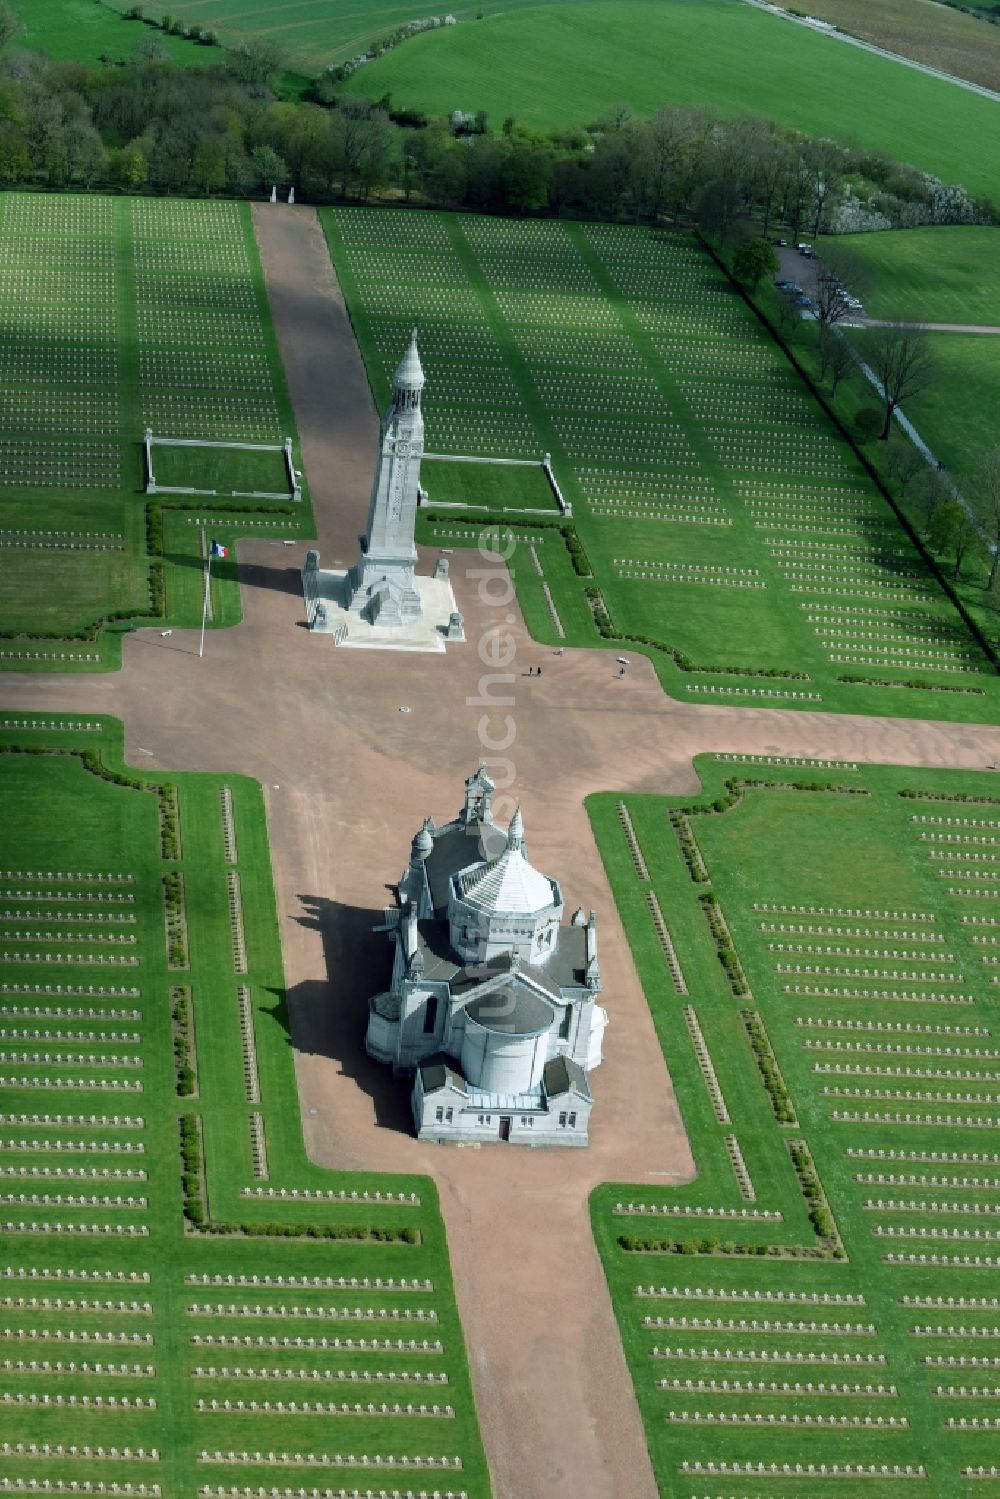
151,126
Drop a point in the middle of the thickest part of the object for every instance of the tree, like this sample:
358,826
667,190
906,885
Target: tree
830,304
931,489
903,462
9,25
822,163
268,165
130,166
836,357
901,360
986,490
952,529
255,62
754,259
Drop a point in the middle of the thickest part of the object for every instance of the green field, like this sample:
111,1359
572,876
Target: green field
120,315
86,31
724,520
120,994
943,275
939,275
562,64
854,929
317,33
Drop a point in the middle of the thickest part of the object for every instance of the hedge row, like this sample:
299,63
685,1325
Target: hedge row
727,954
767,1065
915,682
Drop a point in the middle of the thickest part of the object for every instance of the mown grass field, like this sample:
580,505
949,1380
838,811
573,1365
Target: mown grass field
948,274
85,31
121,315
930,33
221,1350
858,925
316,33
563,64
725,522
942,275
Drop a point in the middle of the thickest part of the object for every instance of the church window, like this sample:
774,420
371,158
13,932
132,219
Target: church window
430,1015
481,1119
572,1121
449,1115
438,1115
564,1027
562,1121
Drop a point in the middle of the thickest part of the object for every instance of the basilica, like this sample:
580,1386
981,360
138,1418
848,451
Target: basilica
492,1007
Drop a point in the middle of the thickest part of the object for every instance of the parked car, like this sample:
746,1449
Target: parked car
782,243
787,286
803,301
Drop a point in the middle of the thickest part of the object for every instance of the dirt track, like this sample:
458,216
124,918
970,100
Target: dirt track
349,779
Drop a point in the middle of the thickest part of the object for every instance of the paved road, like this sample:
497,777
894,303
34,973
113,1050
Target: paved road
348,779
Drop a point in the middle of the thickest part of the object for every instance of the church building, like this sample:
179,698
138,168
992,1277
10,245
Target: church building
492,1007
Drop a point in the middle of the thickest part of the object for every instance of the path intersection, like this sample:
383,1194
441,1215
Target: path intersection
348,777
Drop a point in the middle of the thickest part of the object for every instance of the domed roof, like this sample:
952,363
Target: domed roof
422,845
508,885
409,371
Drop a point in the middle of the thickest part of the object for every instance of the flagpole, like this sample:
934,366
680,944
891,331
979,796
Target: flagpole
204,607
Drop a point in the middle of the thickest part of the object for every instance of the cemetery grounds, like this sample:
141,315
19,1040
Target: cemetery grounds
720,521
123,315
186,1301
817,1313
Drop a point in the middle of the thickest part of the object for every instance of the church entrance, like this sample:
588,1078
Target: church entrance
505,1126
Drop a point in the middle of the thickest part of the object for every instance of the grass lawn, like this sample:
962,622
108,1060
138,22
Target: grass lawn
956,414
102,1021
122,314
85,31
487,486
223,471
565,64
940,275
858,922
936,35
728,527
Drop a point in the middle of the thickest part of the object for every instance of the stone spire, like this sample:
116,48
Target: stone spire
380,586
515,833
408,381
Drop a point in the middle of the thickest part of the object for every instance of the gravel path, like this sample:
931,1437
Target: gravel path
348,779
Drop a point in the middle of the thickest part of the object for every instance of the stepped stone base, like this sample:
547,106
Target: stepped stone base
326,592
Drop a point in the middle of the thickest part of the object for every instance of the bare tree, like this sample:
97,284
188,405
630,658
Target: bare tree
903,462
901,359
836,358
932,490
986,490
823,163
830,300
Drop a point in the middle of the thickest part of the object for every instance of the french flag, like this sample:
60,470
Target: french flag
218,550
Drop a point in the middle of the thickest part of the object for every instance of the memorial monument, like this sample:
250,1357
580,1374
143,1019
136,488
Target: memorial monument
492,1006
380,602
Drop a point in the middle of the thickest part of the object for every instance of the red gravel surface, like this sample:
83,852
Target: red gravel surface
348,780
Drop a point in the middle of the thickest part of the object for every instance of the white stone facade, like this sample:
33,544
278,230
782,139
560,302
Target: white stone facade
492,1005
